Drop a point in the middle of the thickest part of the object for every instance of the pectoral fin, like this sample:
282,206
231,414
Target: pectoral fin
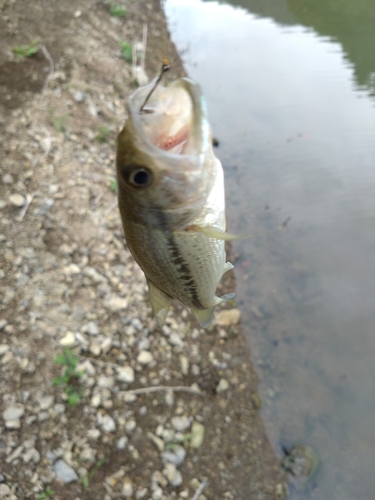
204,316
160,303
214,232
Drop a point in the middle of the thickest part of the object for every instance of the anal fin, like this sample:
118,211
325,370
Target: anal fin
204,316
160,302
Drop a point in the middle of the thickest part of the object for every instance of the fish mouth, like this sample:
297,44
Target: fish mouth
173,120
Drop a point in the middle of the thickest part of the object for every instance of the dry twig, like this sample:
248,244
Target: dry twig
157,388
51,66
200,489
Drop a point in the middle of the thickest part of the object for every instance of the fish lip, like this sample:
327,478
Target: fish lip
199,128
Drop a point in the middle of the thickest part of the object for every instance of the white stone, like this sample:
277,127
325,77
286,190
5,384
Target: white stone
197,435
145,357
46,402
181,423
64,472
69,340
17,200
14,412
115,303
108,424
125,374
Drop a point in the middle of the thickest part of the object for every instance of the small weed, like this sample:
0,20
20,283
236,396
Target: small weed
113,185
117,11
59,122
86,478
47,493
70,376
102,134
126,51
25,50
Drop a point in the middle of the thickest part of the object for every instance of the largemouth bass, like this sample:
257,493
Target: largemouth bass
171,198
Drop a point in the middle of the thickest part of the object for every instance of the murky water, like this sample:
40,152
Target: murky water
290,87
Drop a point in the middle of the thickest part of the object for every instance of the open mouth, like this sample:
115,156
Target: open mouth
167,119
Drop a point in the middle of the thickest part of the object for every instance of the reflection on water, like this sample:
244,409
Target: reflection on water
293,111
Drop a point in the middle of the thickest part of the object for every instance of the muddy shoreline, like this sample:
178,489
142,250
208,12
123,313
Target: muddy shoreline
68,282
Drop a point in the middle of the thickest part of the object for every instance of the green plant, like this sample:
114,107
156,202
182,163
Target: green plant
25,50
86,478
117,11
47,493
102,134
70,377
126,51
113,185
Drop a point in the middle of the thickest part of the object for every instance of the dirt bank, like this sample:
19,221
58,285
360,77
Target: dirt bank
68,281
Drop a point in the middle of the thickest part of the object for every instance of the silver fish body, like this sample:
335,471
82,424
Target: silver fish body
171,198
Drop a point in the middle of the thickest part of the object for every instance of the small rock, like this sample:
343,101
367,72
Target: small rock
3,323
144,357
69,340
7,179
17,200
13,424
184,362
92,273
105,382
93,434
172,474
46,402
121,443
79,96
115,303
300,461
96,401
228,317
158,442
4,490
222,386
15,454
125,374
181,423
31,455
64,472
175,456
108,424
127,489
197,435
14,412
95,348
92,328
176,340
72,269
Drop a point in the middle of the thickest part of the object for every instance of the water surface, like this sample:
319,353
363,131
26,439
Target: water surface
290,90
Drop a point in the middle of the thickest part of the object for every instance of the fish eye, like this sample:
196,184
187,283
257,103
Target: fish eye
140,177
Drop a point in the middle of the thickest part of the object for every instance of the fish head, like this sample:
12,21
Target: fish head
165,161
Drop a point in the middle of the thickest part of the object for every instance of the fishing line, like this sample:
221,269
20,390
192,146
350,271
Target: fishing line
165,67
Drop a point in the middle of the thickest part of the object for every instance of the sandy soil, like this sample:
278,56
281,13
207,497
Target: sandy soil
69,282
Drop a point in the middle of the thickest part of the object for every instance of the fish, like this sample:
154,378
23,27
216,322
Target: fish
171,197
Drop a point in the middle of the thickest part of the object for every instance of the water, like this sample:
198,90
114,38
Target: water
290,89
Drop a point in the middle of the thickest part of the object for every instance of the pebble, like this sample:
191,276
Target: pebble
127,489
222,386
7,179
92,328
125,374
79,96
173,475
181,423
158,442
17,200
64,472
3,323
115,303
69,340
175,456
108,424
197,435
121,443
4,490
144,357
95,348
15,454
228,317
31,455
14,412
46,402
92,273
